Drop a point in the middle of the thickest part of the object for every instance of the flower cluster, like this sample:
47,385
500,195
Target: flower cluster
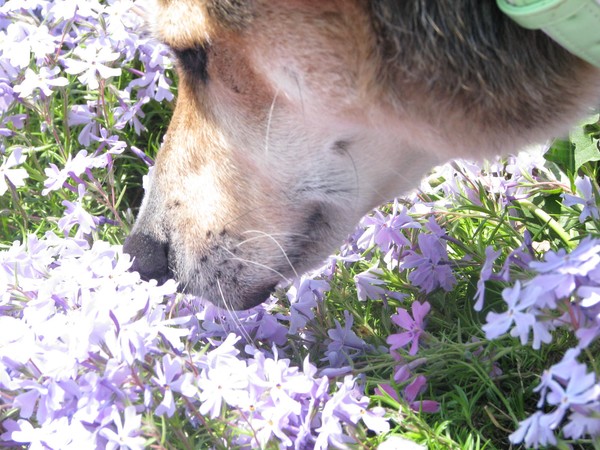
90,348
91,356
57,50
564,292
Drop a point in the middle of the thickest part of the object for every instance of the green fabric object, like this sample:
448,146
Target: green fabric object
574,24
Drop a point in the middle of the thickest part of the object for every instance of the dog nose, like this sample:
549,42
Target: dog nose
150,257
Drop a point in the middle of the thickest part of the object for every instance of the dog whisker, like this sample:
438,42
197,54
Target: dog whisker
232,314
269,118
255,263
262,234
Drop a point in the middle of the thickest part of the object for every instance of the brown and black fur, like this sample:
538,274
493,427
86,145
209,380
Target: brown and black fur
296,117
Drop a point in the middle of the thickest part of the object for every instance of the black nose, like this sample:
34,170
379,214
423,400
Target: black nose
150,257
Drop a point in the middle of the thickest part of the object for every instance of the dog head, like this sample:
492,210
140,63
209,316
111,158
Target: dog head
295,118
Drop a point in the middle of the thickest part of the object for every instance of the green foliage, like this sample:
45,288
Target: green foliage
580,149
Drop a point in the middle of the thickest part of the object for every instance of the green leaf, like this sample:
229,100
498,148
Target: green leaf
585,148
581,148
562,153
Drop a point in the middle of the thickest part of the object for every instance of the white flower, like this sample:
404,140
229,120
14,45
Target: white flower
15,176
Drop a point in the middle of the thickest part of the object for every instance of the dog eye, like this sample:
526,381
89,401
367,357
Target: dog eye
193,62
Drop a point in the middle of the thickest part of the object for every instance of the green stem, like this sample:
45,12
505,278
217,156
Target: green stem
544,216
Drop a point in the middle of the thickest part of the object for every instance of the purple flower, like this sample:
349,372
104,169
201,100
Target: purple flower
23,432
583,424
386,389
227,382
282,381
413,390
521,315
112,142
403,371
352,407
73,167
386,231
410,394
7,95
587,199
7,171
432,268
577,391
486,273
347,405
414,327
170,378
125,433
130,115
587,334
303,296
25,39
269,329
154,85
369,286
141,155
272,421
45,80
84,115
90,63
580,262
534,431
75,214
345,345
64,10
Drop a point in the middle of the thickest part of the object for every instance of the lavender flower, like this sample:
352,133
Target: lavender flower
169,378
587,199
7,171
345,345
534,431
84,115
348,404
127,430
432,269
578,391
90,64
225,383
486,273
370,286
413,390
304,295
76,214
385,231
74,167
25,39
520,316
45,81
414,327
272,422
560,271
153,84
410,394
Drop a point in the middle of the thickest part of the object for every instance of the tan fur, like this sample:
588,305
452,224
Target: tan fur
183,23
296,117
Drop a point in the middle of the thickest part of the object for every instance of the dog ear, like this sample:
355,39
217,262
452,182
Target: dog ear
181,24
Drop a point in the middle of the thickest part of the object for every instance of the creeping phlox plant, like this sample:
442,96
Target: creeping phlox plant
464,315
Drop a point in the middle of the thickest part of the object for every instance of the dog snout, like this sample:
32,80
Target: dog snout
150,257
